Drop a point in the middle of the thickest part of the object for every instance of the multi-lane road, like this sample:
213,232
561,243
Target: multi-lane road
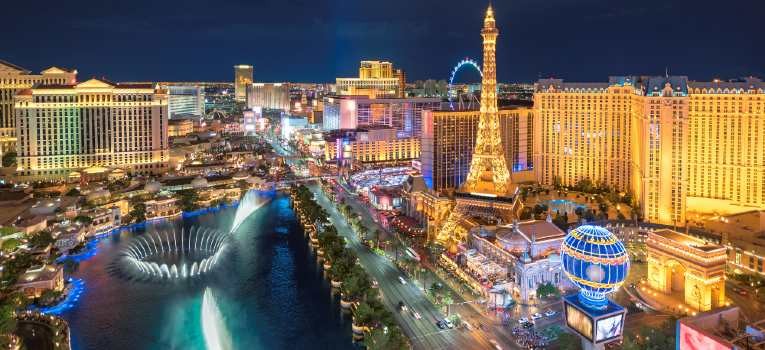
423,333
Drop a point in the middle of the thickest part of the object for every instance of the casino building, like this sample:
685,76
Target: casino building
67,130
679,146
14,79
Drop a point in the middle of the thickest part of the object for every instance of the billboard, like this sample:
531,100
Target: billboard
579,321
691,339
609,328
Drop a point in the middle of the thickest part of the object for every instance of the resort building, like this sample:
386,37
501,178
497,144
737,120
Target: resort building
448,142
38,279
403,114
185,100
370,144
529,250
89,127
678,146
14,79
268,96
376,79
242,79
163,207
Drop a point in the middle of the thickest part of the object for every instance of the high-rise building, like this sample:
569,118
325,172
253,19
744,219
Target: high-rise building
488,191
90,127
242,79
677,146
401,76
269,96
448,142
185,100
403,114
371,144
13,79
376,79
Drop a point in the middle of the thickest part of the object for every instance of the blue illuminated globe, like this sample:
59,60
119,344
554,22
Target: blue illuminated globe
596,262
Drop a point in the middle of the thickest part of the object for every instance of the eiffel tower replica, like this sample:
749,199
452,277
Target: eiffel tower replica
488,193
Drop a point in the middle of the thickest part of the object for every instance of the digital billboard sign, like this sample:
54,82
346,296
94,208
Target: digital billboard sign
691,339
609,328
579,321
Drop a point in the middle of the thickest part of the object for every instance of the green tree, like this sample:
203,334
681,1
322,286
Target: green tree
9,159
5,231
568,341
10,245
138,212
188,199
561,221
41,239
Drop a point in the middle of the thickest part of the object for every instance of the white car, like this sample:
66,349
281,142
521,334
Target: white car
523,320
536,316
448,323
403,281
550,313
416,315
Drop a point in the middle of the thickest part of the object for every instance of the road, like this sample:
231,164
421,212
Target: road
423,333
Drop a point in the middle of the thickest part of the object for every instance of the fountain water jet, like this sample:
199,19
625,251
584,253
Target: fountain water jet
157,256
213,327
247,205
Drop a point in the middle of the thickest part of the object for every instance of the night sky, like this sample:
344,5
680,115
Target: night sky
303,41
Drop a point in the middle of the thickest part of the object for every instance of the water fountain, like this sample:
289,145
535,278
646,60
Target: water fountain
174,255
213,327
247,205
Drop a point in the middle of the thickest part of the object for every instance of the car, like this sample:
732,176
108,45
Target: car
441,324
403,281
448,324
742,292
536,316
523,320
416,315
495,344
550,313
402,306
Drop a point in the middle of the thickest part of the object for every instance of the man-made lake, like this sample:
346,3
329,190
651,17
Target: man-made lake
266,292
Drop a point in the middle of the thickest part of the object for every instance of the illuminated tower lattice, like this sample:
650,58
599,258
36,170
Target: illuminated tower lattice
488,190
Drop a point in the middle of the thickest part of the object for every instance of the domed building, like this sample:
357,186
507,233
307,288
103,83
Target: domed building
530,250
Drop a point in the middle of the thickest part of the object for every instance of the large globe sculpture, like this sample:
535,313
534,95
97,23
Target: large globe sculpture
596,262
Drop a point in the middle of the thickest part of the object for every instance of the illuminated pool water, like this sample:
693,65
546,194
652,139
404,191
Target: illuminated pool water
267,294
563,206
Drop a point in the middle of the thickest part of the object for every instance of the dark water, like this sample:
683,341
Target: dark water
268,289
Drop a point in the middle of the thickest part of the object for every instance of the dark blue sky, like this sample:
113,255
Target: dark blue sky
301,40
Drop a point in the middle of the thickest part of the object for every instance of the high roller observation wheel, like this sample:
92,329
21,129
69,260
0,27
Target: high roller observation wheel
465,62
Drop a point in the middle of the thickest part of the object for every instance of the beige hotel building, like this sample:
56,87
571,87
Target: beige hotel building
679,146
14,79
92,127
376,79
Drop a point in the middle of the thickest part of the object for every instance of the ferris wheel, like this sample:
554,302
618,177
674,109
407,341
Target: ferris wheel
462,101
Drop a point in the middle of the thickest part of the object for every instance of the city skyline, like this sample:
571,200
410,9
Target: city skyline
299,41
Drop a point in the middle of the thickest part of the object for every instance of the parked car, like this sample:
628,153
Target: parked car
403,281
523,320
536,316
550,313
